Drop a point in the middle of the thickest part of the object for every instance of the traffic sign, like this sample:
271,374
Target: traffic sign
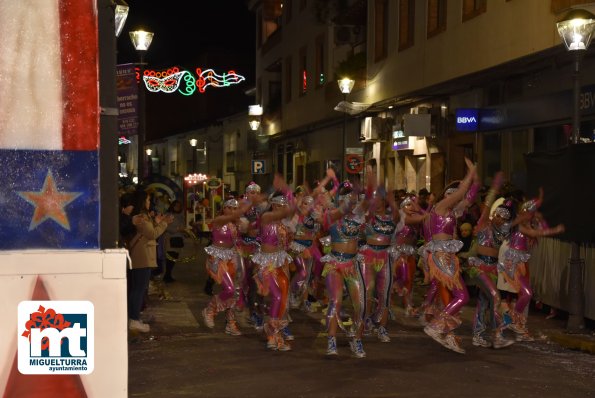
354,163
258,166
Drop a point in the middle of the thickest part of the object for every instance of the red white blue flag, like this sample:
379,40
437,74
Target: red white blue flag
49,124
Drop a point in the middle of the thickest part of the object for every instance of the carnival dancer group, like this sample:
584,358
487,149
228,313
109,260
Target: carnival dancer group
274,252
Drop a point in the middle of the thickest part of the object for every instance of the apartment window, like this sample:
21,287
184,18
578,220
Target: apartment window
380,29
287,6
284,161
288,79
436,17
406,23
319,61
274,96
303,76
473,8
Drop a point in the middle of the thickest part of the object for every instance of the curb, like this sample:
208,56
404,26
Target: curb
581,342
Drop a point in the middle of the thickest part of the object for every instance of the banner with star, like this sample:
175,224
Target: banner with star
49,125
52,200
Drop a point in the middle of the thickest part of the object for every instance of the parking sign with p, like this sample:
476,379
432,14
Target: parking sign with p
258,167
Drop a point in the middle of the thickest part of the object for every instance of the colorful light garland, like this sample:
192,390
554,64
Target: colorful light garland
193,179
170,80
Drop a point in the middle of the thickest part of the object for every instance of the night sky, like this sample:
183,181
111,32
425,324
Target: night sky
218,34
186,29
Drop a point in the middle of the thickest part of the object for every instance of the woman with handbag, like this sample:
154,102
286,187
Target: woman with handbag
143,255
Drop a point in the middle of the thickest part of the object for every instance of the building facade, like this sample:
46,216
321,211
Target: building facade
416,66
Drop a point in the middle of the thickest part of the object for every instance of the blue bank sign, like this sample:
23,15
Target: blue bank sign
549,108
467,119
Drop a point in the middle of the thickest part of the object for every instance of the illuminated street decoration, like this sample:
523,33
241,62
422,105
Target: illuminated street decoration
193,179
208,78
183,81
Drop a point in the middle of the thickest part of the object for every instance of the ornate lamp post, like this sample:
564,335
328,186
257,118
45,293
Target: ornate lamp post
254,116
576,30
345,85
141,40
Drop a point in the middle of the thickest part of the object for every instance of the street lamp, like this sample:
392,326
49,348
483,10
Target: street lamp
141,40
345,85
254,116
193,142
120,15
576,30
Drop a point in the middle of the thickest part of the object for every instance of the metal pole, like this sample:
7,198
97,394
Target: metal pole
576,319
576,79
108,148
141,120
342,171
193,159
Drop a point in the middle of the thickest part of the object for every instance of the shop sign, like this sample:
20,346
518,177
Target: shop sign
400,141
467,119
587,99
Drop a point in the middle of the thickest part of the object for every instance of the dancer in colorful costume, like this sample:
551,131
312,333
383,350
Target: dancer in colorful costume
514,266
442,260
344,224
272,265
224,266
403,251
375,264
247,246
303,248
490,235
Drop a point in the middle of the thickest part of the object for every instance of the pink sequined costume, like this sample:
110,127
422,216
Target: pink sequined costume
341,269
247,246
272,270
490,236
404,252
224,266
514,266
376,267
303,250
443,263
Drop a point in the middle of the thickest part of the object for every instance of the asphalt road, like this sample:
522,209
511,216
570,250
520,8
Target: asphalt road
183,358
